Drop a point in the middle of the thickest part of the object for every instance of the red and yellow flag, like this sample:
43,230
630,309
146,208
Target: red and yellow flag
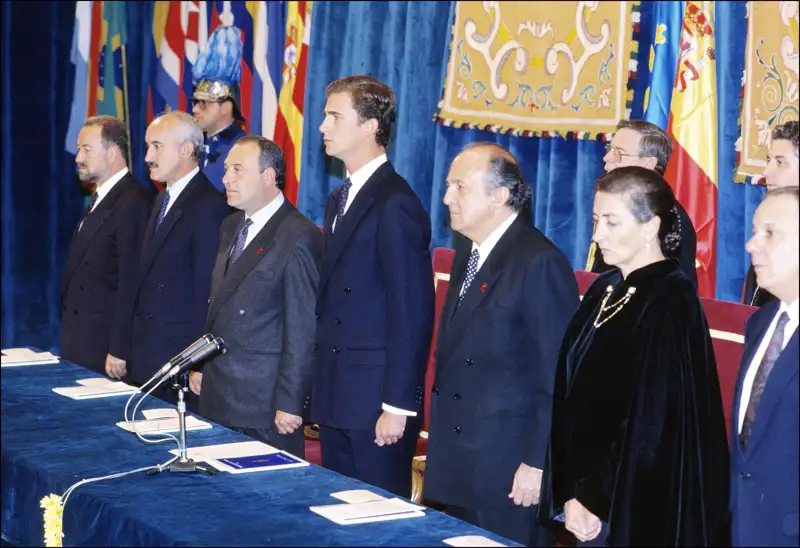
289,123
692,170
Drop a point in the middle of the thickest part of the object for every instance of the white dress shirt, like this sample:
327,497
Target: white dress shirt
488,244
793,310
176,189
262,217
359,179
105,188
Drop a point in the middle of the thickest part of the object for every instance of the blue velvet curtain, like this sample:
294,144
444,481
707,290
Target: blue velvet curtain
405,44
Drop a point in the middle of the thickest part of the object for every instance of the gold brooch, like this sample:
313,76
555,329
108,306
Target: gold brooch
615,307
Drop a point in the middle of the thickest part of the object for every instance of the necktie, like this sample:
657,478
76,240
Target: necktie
163,212
760,381
241,238
472,271
87,211
341,199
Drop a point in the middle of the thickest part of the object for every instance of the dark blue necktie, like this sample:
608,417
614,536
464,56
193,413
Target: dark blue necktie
341,199
163,212
241,238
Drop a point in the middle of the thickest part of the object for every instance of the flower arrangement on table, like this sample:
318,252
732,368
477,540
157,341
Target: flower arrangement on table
53,520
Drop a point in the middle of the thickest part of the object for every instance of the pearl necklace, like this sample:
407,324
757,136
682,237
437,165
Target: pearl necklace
614,307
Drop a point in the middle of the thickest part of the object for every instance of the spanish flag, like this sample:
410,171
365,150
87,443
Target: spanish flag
289,124
692,170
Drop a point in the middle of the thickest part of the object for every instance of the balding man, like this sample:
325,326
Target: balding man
178,250
511,296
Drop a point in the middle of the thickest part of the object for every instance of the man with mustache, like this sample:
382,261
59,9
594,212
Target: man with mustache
104,251
178,250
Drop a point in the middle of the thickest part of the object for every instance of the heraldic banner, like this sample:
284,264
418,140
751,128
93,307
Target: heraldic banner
770,83
541,69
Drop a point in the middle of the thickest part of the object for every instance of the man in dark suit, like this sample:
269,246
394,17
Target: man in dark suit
511,295
104,251
178,252
783,169
764,417
263,296
375,307
640,143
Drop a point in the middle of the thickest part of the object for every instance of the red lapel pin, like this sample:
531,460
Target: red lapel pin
259,250
483,288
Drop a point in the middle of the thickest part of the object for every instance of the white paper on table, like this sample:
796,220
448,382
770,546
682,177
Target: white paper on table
164,413
89,392
25,356
367,512
471,540
96,381
356,496
163,425
228,450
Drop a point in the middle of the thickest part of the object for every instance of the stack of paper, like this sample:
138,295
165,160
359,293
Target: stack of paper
162,420
244,457
370,511
14,357
97,387
471,540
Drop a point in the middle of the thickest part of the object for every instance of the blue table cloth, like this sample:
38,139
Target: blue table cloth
50,442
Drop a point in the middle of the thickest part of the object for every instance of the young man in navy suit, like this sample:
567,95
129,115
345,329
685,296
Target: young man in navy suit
764,432
179,249
375,305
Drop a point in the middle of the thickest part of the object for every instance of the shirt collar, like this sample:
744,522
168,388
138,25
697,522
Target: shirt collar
176,189
105,188
793,309
491,241
263,215
362,175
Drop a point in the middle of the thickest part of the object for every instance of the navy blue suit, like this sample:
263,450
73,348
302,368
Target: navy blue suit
99,276
764,477
174,282
374,324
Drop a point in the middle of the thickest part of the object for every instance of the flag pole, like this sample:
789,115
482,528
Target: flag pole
125,102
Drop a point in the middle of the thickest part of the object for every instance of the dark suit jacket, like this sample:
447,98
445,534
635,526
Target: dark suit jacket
496,359
375,306
174,280
764,477
686,252
263,308
99,276
753,295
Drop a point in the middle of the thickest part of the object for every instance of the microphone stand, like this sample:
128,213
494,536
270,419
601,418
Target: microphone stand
183,464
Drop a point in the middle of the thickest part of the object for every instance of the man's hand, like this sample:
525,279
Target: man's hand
115,367
195,382
389,428
581,522
527,485
286,422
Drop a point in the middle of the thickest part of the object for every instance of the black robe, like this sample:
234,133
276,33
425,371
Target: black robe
638,432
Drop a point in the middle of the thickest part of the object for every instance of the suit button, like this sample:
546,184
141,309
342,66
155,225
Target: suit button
209,300
86,263
347,290
136,311
316,346
469,361
318,316
335,349
75,311
337,321
457,429
242,312
434,390
149,316
745,475
161,287
81,288
456,396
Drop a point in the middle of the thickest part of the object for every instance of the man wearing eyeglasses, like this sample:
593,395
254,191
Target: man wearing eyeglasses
640,143
216,100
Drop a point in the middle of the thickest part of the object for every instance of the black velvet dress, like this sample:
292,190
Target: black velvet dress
638,433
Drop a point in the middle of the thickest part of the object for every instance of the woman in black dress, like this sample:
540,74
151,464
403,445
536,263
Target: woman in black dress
638,452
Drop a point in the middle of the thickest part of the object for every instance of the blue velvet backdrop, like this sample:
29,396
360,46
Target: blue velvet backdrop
403,43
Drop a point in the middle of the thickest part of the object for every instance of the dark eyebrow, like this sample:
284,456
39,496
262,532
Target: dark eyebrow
333,112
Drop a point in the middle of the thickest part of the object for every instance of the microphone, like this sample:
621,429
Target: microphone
212,347
185,354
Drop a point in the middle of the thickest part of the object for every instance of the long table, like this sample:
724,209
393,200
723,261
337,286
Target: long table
50,442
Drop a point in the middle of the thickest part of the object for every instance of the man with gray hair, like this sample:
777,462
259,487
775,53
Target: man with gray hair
178,251
512,293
